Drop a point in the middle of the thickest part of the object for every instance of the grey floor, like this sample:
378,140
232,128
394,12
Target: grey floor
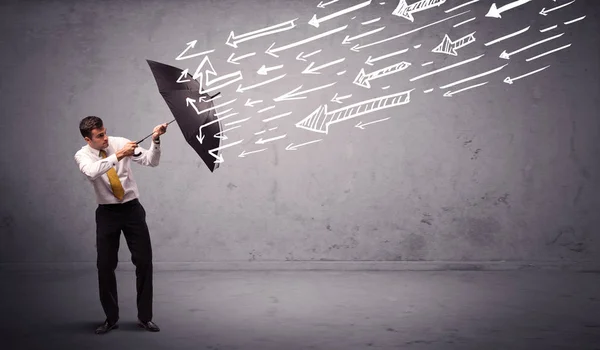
309,310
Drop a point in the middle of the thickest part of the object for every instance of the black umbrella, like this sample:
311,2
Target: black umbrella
175,95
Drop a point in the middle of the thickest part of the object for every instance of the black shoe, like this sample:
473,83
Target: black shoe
106,327
149,326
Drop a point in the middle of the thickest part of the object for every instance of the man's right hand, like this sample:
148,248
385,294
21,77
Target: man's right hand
127,150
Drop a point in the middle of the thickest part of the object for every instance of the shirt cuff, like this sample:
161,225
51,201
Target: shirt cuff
156,146
113,159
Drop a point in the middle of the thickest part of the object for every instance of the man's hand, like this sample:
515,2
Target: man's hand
127,150
159,130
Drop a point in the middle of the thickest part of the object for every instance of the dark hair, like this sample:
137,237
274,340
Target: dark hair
88,124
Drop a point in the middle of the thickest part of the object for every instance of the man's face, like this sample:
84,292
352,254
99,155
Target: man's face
99,139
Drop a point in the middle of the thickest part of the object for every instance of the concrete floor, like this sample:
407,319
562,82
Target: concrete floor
284,310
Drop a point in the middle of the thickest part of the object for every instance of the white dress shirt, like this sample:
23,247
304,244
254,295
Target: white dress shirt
94,167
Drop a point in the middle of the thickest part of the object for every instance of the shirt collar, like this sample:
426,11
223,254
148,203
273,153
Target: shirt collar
96,152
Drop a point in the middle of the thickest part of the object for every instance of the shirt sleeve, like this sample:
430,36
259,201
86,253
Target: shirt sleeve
94,169
148,157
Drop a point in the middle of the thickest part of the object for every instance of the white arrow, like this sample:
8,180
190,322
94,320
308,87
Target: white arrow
473,77
234,40
322,5
200,136
510,80
406,11
370,60
302,57
495,12
235,61
315,22
244,153
224,137
447,67
293,148
357,47
264,70
449,47
261,141
271,51
545,12
219,158
451,93
507,36
251,104
339,99
363,79
547,53
315,70
294,94
191,45
205,79
362,126
506,55
320,119
348,39
242,89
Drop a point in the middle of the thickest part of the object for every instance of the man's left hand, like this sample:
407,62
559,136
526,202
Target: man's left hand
159,130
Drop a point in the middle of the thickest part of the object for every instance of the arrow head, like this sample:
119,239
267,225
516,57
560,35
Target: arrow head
320,5
219,159
269,51
313,21
508,80
300,58
262,70
361,79
360,126
355,48
448,94
260,141
290,147
308,69
243,154
493,12
543,12
230,41
505,55
230,59
346,41
239,88
188,101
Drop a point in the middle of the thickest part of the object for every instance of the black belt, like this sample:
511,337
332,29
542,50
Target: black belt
121,205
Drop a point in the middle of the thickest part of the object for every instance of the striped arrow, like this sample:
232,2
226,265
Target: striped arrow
406,11
362,79
449,47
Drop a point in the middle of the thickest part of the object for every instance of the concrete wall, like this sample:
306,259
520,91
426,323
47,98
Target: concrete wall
496,172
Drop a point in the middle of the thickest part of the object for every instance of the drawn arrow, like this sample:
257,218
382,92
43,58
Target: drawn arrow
322,5
244,153
339,99
506,55
261,141
302,57
294,148
495,12
348,39
294,94
242,89
406,11
220,135
235,61
545,12
362,126
449,47
205,79
320,119
370,60
200,136
271,51
234,40
451,93
315,22
219,158
363,79
264,70
191,45
251,104
357,47
510,80
315,70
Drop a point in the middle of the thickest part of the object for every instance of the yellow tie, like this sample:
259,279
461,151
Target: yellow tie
115,183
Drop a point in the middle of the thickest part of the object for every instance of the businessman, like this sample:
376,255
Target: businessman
106,163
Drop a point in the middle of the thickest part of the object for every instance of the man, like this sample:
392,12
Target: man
106,162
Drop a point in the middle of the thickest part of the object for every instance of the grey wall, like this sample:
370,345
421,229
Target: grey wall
495,172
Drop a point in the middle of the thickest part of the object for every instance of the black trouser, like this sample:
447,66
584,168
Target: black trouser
130,217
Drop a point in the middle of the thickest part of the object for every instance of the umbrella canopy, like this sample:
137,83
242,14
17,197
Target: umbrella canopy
176,96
